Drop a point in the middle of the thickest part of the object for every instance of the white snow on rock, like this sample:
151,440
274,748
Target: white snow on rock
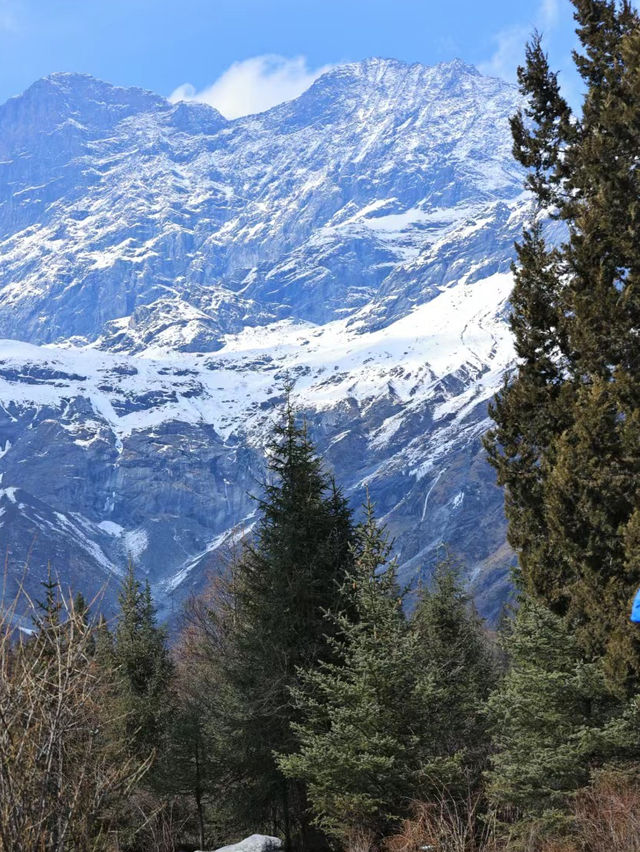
166,270
460,328
254,843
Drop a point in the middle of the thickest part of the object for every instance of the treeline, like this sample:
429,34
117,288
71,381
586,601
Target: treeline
308,695
566,447
300,699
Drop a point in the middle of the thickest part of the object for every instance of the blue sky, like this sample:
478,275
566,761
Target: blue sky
245,55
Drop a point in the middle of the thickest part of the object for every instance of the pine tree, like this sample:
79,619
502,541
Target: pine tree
283,585
209,714
456,670
103,645
82,612
566,441
143,667
590,500
533,407
185,766
546,717
46,648
48,612
357,738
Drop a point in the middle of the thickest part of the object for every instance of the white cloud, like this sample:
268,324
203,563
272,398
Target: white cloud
8,18
549,13
510,42
508,54
254,85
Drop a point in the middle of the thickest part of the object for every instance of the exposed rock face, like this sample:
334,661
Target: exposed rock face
165,269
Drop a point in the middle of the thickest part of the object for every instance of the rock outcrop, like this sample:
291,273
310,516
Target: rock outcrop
163,270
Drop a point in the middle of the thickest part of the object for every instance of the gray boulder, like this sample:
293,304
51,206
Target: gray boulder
254,843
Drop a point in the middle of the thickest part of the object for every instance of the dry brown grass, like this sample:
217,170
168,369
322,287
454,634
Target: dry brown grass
608,815
445,826
605,818
361,841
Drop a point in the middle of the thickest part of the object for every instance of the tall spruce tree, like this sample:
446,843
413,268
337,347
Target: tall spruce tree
208,757
184,768
533,407
456,670
567,441
140,657
48,612
282,586
397,715
547,717
357,734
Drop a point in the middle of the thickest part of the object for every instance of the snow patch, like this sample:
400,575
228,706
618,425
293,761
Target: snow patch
111,528
135,543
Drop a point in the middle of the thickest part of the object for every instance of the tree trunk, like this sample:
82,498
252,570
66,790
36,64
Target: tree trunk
198,794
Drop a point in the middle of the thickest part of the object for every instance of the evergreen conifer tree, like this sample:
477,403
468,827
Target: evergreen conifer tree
567,435
103,645
532,409
282,586
357,735
208,756
547,716
48,612
82,611
143,667
185,764
456,670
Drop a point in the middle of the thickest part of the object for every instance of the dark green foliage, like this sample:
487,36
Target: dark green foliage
357,737
204,652
533,407
566,443
103,644
185,767
397,715
281,588
456,670
547,717
82,611
590,499
540,130
48,612
142,666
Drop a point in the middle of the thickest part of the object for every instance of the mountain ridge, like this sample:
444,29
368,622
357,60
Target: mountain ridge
324,239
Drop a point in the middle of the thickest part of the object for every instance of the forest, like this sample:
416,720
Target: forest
307,694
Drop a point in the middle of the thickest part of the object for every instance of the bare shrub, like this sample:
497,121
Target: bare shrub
605,817
608,814
445,826
158,821
61,773
360,840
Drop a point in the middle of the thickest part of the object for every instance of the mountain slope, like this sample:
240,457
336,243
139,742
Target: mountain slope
167,269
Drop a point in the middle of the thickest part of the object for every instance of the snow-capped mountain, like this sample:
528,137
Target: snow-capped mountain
162,270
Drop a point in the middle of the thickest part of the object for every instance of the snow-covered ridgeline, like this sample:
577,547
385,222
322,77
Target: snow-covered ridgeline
460,328
166,270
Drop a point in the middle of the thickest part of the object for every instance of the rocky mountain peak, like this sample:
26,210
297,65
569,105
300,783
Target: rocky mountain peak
386,85
81,96
165,269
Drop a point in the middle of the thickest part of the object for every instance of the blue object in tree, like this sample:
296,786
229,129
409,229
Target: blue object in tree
635,609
